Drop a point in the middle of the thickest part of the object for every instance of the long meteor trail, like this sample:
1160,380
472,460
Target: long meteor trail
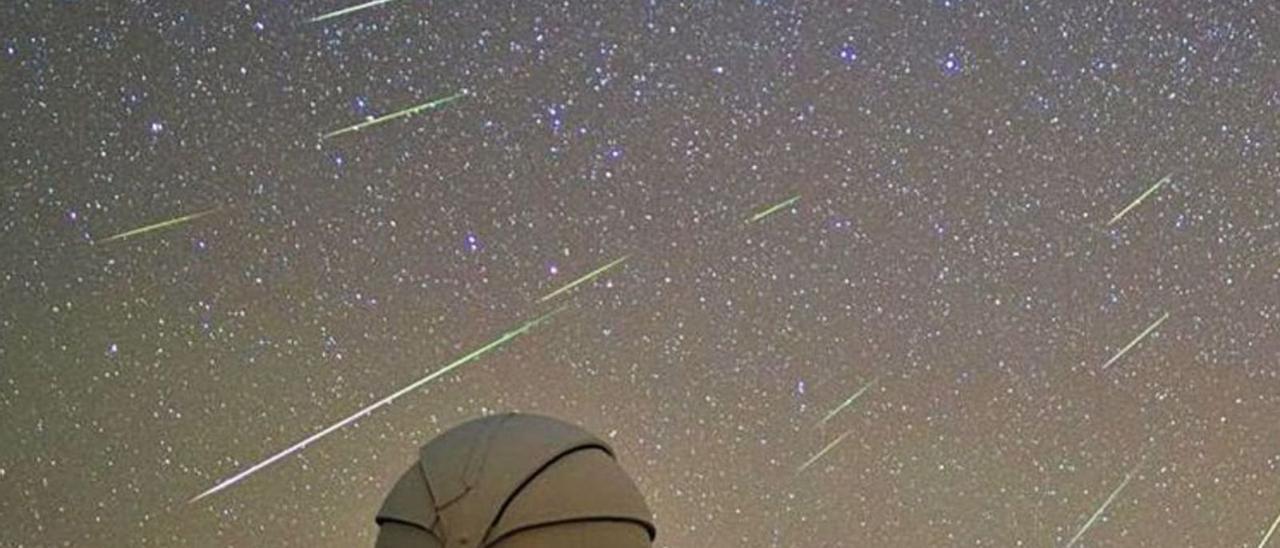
1104,506
849,401
773,209
380,403
590,276
160,225
1140,199
824,451
398,114
1135,341
345,11
1270,532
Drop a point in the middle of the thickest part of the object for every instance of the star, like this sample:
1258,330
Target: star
848,53
951,65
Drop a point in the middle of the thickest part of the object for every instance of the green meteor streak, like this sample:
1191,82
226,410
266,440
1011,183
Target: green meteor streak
1136,340
380,403
1140,199
592,275
1104,506
849,401
345,11
771,210
823,452
160,225
399,114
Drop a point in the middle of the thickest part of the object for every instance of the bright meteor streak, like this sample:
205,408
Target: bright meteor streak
160,225
345,11
773,209
1271,531
824,451
849,401
1140,199
398,114
1104,506
380,403
591,275
1136,340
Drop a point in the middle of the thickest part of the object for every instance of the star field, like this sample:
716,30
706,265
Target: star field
957,164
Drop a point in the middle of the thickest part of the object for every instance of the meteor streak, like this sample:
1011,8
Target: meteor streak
773,209
592,275
849,401
1136,340
345,11
1140,199
824,451
398,114
1104,506
160,225
380,403
1267,537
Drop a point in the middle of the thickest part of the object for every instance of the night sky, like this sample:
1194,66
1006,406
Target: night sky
1038,367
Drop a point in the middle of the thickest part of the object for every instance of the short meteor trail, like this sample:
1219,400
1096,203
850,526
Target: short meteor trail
345,11
1136,340
824,451
160,225
380,403
1104,506
590,276
1140,199
1271,531
773,209
398,114
849,401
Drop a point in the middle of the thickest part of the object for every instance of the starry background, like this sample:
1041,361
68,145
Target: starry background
957,163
